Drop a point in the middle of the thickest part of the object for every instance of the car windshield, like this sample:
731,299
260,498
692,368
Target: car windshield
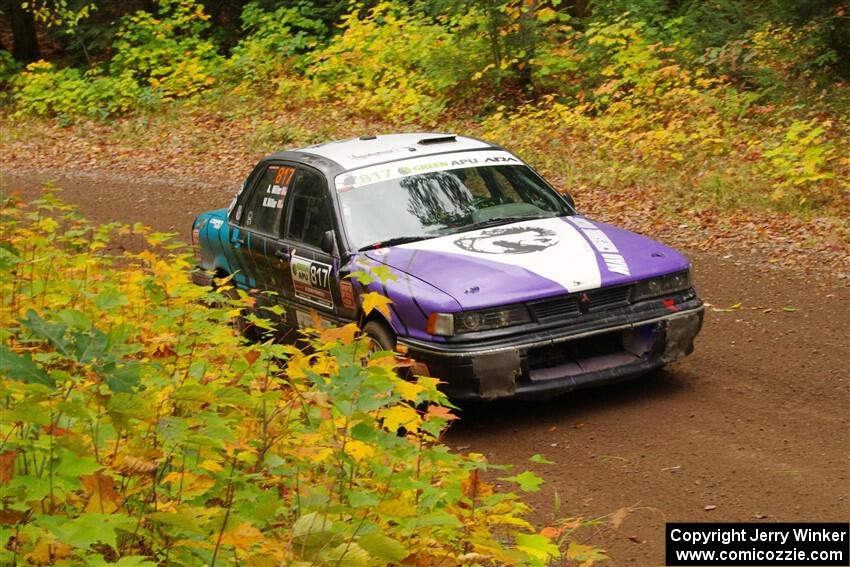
436,203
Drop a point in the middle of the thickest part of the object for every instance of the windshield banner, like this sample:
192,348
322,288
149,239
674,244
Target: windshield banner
425,164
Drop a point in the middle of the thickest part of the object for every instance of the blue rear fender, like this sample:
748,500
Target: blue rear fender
214,242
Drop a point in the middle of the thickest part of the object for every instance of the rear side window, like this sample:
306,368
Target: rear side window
310,209
263,210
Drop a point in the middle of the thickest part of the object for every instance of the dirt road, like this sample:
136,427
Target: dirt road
753,426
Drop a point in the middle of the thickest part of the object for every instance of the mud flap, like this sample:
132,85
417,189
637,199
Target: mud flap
497,373
680,336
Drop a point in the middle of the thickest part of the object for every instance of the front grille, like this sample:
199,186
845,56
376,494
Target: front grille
565,306
608,298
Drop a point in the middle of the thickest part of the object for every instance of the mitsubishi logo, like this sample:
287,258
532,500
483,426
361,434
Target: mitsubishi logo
584,303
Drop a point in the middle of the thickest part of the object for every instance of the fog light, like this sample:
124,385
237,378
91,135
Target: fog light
471,321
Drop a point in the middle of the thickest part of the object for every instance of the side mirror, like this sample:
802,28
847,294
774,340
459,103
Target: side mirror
328,242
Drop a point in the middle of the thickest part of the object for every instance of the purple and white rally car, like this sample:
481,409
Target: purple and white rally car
497,284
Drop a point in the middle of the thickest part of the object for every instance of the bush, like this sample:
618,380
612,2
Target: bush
799,164
394,62
169,52
137,429
42,89
272,39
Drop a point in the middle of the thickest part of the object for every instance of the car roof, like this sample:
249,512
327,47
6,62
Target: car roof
342,155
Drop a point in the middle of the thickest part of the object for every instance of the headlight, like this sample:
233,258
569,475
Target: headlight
662,285
447,324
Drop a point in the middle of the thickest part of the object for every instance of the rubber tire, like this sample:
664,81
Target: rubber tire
380,334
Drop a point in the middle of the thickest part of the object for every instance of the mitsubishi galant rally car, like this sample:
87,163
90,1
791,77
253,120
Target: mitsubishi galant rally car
498,285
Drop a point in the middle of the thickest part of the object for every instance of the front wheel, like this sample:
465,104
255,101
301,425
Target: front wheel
380,337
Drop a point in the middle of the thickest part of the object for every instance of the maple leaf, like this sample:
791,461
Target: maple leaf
242,537
377,301
344,334
7,466
251,356
401,416
103,498
474,488
358,450
441,412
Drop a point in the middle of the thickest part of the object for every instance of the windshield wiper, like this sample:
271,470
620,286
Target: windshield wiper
500,220
393,241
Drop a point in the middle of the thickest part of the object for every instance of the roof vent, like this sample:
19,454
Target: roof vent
370,137
438,140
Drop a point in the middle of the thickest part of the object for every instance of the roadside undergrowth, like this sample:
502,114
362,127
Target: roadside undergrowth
137,428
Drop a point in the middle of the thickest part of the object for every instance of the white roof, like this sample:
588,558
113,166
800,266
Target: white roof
359,152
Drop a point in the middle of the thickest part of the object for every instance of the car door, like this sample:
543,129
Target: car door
236,248
313,272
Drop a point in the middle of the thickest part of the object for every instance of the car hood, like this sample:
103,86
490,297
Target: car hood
530,260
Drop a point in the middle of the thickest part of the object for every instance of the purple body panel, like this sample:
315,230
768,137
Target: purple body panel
458,275
412,300
646,258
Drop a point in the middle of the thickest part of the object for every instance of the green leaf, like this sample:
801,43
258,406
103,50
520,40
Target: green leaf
22,368
364,278
54,333
183,522
790,309
363,499
537,546
73,466
122,378
87,529
90,345
109,299
540,459
383,547
527,481
172,430
345,555
383,273
579,552
312,529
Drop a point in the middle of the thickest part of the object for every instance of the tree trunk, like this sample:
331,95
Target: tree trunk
24,40
528,41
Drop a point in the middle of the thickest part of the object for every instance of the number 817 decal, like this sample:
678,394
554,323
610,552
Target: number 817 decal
312,281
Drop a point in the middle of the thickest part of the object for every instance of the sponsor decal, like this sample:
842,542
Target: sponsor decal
346,294
311,320
509,240
614,261
216,223
312,280
549,248
284,175
426,164
272,203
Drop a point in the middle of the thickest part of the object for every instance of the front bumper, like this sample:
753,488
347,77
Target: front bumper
551,362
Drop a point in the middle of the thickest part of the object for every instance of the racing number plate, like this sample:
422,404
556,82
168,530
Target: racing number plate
312,281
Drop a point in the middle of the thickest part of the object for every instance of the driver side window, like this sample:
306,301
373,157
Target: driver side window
309,209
